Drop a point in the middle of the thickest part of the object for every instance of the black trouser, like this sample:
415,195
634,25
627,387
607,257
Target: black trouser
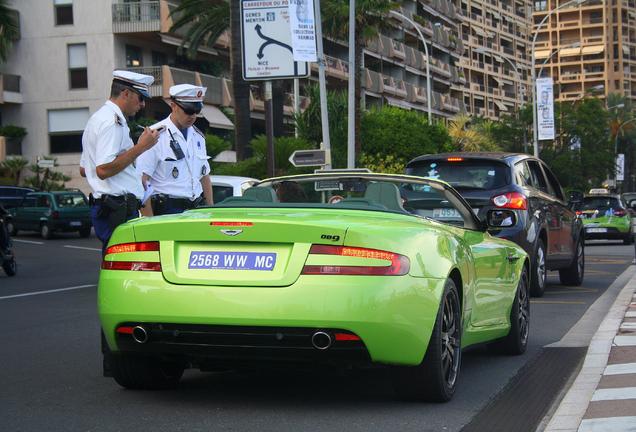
110,211
4,235
163,204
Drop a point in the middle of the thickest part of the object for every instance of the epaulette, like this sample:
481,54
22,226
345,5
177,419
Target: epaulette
118,120
196,129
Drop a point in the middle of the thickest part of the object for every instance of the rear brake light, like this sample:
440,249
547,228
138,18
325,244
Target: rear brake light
454,159
511,200
399,264
346,337
131,265
231,223
620,213
133,247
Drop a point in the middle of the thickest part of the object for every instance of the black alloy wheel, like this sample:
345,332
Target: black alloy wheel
573,275
516,342
435,378
539,273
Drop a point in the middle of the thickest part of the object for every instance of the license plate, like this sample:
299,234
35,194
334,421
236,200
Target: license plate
596,230
446,213
75,223
232,260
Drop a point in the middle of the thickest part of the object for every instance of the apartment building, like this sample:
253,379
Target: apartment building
496,64
589,48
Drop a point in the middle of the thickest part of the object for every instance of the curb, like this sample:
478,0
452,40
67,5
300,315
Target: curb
572,408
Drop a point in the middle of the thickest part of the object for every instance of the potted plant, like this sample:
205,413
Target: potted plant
13,135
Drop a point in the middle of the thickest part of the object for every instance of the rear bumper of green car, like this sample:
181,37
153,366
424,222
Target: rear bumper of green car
393,317
607,228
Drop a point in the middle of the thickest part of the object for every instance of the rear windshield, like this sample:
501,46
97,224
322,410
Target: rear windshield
466,174
599,203
71,200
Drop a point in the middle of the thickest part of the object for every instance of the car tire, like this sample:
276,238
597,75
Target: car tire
574,273
516,342
144,373
629,238
435,378
538,274
10,266
85,232
45,231
13,231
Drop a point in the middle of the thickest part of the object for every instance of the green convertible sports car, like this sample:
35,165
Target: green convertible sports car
344,268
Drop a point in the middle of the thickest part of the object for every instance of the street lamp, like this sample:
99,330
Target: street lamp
574,45
533,76
428,70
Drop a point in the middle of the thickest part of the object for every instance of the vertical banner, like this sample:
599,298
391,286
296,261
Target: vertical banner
545,108
620,167
303,30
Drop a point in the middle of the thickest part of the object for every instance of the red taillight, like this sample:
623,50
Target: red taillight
125,330
511,200
399,264
620,212
454,159
231,223
132,265
346,337
133,247
579,212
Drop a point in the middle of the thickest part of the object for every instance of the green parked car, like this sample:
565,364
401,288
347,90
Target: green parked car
605,216
345,268
50,212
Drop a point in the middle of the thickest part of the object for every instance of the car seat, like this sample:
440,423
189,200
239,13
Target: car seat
261,193
386,194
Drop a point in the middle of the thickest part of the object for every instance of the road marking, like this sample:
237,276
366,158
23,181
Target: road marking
557,302
47,291
82,247
624,340
573,291
614,394
628,326
598,272
630,314
606,261
620,369
27,241
613,424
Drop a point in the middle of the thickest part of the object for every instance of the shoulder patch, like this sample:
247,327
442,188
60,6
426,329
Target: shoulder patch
196,129
118,120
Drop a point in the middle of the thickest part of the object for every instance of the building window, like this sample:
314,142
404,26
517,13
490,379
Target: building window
540,5
65,129
63,12
159,58
77,66
134,56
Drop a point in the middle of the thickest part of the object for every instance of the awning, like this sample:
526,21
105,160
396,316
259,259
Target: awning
496,79
496,14
567,52
216,118
501,105
625,50
499,59
398,103
543,54
594,49
508,82
480,32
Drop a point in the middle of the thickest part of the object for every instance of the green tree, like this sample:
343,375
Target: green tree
471,135
46,179
9,30
204,21
371,17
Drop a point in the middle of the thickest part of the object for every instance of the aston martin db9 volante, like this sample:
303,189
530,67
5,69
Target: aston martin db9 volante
342,268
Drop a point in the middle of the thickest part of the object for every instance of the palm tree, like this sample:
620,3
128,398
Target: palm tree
371,17
9,31
204,22
471,137
14,167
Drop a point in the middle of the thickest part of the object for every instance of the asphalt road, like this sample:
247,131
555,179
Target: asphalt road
51,363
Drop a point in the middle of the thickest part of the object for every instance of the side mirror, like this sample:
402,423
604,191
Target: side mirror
632,204
501,218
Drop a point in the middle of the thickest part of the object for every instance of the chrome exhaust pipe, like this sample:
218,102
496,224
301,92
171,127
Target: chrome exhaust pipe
140,335
321,340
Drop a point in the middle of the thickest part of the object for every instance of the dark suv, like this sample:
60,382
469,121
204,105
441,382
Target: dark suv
528,201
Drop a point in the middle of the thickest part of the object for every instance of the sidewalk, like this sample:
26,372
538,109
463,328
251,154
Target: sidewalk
603,396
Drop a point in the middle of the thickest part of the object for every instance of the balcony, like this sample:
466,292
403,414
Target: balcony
394,86
372,81
139,17
10,89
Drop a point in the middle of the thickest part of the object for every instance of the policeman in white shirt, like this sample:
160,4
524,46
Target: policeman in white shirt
108,154
176,171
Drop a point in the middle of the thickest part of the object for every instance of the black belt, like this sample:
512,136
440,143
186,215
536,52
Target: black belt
184,203
128,199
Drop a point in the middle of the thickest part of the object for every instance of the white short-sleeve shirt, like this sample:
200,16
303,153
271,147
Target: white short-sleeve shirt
105,137
178,178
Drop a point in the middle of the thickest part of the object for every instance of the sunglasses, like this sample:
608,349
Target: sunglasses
139,96
188,111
